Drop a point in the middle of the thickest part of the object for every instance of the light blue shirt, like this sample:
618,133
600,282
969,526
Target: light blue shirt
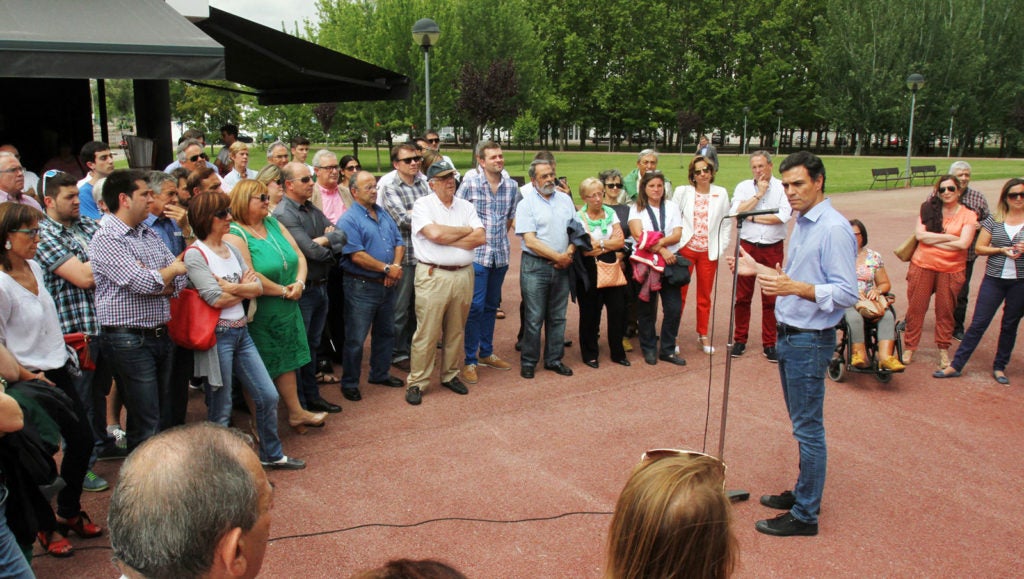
547,218
823,252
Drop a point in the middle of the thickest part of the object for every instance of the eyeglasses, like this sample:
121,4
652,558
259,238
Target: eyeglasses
263,197
330,168
352,167
433,141
305,179
613,185
411,160
13,170
949,188
1015,196
30,232
660,453
223,213
702,171
282,156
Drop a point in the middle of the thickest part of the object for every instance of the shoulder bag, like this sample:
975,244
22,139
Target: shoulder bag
193,323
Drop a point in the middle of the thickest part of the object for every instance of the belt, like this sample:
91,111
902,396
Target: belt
239,323
379,280
786,330
316,282
762,244
434,266
157,332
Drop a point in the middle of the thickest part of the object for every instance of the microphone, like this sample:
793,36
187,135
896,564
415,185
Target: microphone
745,214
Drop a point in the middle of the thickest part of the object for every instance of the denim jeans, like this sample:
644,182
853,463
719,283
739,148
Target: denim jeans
545,296
12,562
480,325
405,314
367,305
993,292
239,358
143,366
803,360
647,318
313,305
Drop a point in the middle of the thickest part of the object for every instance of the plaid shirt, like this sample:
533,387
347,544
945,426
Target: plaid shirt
57,244
398,198
125,262
976,202
496,210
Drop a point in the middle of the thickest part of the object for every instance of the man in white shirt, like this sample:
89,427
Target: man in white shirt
761,236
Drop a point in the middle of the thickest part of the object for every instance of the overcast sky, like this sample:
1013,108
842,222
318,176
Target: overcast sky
270,12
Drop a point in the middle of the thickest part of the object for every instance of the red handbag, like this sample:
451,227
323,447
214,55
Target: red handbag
193,323
79,342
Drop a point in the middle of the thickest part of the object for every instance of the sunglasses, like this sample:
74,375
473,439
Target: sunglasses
223,213
411,160
50,175
613,185
30,232
433,141
949,188
353,168
195,158
1015,196
702,171
660,453
263,197
305,179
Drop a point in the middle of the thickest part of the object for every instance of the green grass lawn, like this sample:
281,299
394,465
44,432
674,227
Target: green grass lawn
845,173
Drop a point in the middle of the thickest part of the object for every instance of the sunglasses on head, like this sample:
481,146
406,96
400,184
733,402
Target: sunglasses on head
263,197
411,160
50,175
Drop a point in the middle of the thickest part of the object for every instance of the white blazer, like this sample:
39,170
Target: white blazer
719,227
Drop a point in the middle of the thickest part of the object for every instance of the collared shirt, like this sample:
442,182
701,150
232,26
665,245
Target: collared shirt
76,306
398,197
169,231
331,203
377,237
126,263
547,218
177,164
233,177
24,200
495,210
306,222
976,202
430,209
823,252
775,196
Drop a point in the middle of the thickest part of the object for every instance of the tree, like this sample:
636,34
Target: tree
488,96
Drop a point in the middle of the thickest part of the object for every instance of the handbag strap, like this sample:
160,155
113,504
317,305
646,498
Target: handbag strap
654,222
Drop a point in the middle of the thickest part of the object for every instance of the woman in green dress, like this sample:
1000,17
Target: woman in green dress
276,326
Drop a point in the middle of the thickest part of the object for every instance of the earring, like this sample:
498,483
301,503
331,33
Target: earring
8,244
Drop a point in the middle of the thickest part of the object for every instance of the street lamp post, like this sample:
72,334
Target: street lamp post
914,82
778,132
425,34
949,144
745,111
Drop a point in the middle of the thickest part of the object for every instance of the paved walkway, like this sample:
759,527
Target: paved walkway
518,479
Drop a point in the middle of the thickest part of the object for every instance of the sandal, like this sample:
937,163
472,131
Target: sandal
82,526
326,378
61,548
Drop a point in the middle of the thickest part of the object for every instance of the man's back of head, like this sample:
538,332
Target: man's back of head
185,499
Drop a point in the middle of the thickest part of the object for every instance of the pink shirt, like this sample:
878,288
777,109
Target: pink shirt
333,206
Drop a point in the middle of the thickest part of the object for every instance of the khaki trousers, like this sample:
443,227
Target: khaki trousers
442,305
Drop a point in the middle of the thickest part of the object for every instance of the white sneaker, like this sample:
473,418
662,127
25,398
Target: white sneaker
120,436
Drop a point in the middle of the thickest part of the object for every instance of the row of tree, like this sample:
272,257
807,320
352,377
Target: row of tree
663,71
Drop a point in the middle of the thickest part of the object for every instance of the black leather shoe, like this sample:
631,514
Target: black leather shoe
782,501
651,359
737,349
526,372
456,386
786,525
288,463
414,396
672,359
559,368
958,335
772,354
323,406
623,362
351,394
390,382
591,363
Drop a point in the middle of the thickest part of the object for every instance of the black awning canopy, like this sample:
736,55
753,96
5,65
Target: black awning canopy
283,69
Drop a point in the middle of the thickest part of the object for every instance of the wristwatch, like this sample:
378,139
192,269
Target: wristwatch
387,269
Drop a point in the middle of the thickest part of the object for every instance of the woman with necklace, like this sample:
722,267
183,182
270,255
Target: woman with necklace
276,327
705,237
945,229
606,238
1002,239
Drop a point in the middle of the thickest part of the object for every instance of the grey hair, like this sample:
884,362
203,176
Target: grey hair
609,174
97,190
535,164
646,152
184,145
156,179
320,155
762,153
275,145
959,165
168,513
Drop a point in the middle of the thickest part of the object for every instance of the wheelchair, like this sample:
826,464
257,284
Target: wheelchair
841,365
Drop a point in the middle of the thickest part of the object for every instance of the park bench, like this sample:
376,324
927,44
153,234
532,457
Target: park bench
926,172
886,176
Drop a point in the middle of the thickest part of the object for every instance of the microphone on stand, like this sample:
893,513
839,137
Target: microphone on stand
745,214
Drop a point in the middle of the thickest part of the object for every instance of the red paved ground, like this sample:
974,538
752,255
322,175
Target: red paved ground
924,476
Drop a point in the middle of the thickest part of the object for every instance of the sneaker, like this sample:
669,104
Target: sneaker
858,360
786,525
738,349
112,453
119,435
782,501
892,364
771,354
414,396
469,374
627,345
495,362
94,483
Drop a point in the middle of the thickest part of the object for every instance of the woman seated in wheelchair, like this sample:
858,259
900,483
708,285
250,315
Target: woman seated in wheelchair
873,285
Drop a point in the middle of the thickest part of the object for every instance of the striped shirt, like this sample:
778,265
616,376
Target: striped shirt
1000,238
76,307
126,263
496,210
